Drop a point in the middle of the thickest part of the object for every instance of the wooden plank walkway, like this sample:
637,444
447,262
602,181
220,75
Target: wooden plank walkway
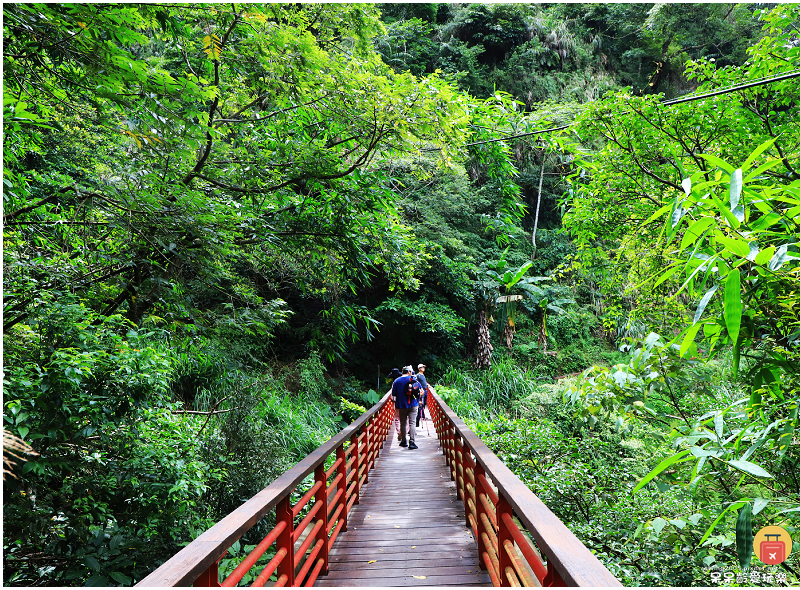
410,522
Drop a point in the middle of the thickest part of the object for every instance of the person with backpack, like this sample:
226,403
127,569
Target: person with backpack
406,393
423,400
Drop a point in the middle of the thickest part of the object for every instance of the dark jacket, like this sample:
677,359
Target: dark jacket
424,384
399,393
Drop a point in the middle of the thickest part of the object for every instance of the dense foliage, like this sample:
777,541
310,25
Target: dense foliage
224,224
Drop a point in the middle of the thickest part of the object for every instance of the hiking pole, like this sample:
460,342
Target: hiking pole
427,428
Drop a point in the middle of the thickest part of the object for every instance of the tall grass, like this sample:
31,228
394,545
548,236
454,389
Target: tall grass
475,394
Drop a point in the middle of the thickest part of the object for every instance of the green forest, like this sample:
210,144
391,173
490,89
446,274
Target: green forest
224,225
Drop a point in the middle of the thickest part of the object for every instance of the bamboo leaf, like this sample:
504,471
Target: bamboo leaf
757,152
736,188
764,256
732,304
719,163
763,168
759,505
729,216
750,468
780,257
689,338
666,275
678,458
658,214
787,433
686,183
701,307
719,517
695,230
744,536
738,247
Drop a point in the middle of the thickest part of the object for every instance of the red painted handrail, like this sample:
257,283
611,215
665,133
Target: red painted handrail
297,562
490,506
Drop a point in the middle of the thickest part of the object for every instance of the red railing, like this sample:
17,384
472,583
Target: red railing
495,501
297,561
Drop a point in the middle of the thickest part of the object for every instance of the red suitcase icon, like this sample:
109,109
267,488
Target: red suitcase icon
772,552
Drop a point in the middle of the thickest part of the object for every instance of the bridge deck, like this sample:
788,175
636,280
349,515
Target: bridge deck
410,522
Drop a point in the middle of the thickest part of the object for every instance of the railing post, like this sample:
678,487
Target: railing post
503,535
283,512
552,578
480,510
209,578
378,438
466,464
322,497
451,450
460,473
367,449
342,472
356,466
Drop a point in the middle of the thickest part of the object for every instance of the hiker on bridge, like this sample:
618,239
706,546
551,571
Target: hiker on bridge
423,400
405,393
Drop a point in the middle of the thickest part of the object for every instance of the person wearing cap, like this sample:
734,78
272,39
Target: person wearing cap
423,400
405,393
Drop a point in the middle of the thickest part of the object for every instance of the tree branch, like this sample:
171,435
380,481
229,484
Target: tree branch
52,198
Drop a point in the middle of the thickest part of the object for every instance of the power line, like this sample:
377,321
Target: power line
761,82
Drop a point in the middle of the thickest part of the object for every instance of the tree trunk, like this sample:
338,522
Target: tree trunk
508,333
543,334
538,203
484,360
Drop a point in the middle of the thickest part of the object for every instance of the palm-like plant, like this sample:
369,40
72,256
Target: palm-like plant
499,276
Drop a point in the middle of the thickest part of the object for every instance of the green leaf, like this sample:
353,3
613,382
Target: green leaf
121,578
695,230
666,275
738,247
677,458
764,256
757,152
659,524
744,536
719,517
733,304
518,274
764,167
96,581
750,468
718,162
729,216
787,510
759,505
719,424
736,188
689,338
779,258
701,307
92,563
767,221
658,213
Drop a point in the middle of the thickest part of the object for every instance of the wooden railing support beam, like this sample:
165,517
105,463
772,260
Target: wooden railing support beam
569,562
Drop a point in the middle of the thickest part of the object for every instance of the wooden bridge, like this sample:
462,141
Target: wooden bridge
447,514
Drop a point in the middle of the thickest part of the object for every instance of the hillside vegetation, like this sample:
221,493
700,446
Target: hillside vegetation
223,225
